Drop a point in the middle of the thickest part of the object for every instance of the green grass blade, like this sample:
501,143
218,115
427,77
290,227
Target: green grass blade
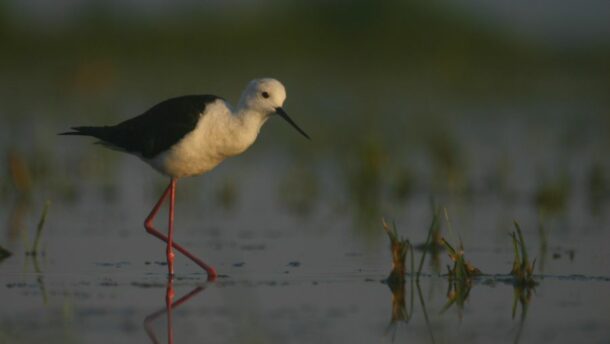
40,227
524,260
452,251
427,244
517,261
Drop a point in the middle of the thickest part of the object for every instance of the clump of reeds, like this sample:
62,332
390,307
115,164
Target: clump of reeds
523,270
399,248
396,281
460,276
462,269
43,218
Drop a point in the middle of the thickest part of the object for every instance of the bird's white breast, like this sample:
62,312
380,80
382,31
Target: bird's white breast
218,135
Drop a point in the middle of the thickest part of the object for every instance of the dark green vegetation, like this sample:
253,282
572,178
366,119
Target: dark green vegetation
388,88
460,275
523,270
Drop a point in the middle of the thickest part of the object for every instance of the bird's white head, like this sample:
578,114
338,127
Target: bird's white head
263,95
266,97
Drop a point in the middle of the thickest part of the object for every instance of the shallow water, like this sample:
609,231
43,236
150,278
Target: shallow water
285,278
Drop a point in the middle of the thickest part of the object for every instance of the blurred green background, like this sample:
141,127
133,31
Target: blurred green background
399,97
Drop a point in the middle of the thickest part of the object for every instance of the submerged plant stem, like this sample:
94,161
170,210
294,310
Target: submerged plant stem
43,218
427,244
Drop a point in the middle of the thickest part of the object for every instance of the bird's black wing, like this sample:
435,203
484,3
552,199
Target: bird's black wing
155,130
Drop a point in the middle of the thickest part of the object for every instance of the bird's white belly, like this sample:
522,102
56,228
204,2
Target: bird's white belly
179,163
205,147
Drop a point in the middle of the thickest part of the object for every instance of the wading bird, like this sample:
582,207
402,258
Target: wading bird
190,135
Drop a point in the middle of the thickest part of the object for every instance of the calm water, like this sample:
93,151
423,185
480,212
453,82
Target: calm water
285,276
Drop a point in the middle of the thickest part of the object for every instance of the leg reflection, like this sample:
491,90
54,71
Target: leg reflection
169,306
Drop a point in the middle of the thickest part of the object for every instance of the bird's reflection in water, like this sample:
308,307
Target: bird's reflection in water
170,305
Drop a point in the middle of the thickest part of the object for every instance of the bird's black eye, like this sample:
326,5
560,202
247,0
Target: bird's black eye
265,95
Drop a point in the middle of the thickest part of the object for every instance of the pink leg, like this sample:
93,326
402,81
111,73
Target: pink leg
148,224
170,232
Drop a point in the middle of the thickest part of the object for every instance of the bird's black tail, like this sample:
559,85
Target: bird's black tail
98,132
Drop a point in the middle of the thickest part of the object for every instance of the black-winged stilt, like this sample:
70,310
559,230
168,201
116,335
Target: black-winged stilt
190,135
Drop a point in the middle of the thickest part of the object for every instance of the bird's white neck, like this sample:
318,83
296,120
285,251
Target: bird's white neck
251,120
241,130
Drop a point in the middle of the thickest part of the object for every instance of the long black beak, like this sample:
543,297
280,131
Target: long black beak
284,115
